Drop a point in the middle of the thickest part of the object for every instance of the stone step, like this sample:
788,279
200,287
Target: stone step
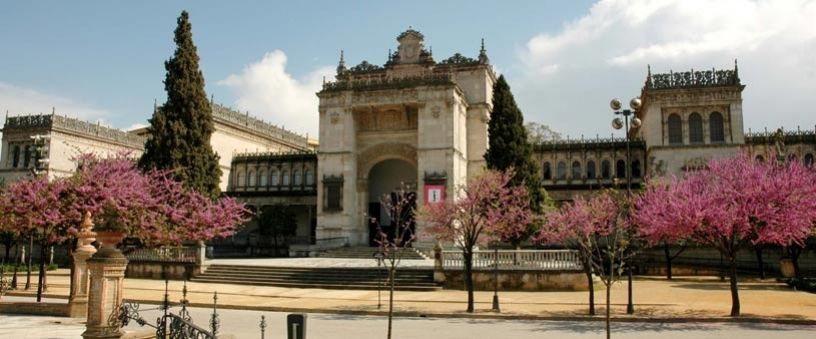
364,252
318,277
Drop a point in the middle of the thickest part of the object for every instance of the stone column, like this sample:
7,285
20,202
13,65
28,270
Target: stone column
439,270
78,304
107,268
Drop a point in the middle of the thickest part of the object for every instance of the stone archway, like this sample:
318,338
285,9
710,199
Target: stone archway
384,178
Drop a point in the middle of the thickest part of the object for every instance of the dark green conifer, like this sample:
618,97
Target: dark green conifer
509,147
181,128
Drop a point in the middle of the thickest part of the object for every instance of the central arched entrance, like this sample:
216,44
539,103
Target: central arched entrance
385,178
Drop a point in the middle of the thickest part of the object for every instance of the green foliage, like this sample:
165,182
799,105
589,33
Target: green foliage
181,128
804,284
509,146
277,221
21,267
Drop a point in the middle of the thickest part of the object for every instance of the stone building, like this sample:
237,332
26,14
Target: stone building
68,138
687,119
413,121
235,133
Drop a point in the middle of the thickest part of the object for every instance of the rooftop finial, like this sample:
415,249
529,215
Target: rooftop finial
53,110
389,55
483,59
212,99
155,105
341,66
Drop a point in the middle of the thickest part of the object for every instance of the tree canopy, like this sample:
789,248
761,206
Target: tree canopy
180,130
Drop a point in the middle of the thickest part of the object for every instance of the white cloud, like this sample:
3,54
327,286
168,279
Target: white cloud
266,90
22,101
570,76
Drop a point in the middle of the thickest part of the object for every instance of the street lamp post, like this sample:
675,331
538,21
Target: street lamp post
618,123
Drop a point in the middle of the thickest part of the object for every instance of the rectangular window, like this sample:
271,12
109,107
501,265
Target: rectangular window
333,198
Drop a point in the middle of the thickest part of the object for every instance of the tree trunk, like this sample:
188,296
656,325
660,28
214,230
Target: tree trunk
8,249
41,280
591,284
468,278
608,304
391,277
30,263
760,263
667,253
735,303
16,264
794,252
71,246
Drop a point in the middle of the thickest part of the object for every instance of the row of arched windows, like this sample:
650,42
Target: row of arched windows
716,130
578,171
274,178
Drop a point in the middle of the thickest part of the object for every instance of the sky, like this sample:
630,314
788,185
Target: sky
104,60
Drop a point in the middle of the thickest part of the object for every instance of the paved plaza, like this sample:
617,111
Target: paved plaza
244,324
702,298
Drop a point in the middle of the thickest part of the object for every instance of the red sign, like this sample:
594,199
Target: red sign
434,194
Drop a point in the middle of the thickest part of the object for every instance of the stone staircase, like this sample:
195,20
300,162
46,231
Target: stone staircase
365,252
363,278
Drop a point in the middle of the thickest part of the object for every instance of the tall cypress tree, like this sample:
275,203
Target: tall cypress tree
181,128
509,147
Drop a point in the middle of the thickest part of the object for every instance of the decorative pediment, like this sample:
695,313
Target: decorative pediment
439,178
333,179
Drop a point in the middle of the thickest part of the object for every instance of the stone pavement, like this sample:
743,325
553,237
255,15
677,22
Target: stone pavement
244,324
689,298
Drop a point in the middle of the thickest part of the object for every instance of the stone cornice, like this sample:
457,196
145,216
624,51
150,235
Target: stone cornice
229,117
53,122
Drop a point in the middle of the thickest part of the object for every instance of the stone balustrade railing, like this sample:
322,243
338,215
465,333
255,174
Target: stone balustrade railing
547,260
188,254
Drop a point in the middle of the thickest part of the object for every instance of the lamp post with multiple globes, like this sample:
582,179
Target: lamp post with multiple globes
629,116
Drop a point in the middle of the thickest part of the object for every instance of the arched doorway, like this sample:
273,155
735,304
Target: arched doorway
384,179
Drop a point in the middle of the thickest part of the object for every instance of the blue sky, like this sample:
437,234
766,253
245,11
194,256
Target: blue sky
103,60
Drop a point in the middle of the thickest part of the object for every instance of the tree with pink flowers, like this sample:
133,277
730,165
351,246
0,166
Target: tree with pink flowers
488,206
601,229
152,206
731,203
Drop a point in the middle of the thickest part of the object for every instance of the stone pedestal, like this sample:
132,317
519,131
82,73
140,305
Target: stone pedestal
439,270
107,273
78,303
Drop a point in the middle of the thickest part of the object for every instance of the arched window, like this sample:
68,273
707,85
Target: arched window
606,169
695,128
252,178
262,178
809,160
715,127
309,177
285,177
636,169
26,156
547,171
561,171
760,159
15,157
240,180
576,170
298,180
620,169
591,169
273,178
675,129
792,157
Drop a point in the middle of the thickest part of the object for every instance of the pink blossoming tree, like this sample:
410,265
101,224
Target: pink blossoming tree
731,203
488,206
600,228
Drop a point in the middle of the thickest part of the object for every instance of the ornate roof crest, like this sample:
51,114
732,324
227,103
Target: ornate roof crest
410,32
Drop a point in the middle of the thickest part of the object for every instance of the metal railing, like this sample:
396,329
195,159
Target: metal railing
164,254
546,260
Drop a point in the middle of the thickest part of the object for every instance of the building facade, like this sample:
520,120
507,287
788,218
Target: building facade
412,121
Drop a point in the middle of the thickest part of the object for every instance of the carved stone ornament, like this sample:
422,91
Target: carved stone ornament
435,112
334,118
